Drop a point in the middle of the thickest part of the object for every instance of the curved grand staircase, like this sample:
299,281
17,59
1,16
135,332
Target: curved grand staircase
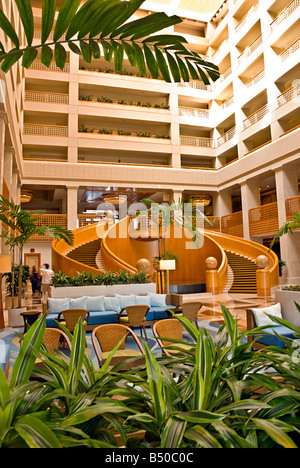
104,246
86,253
244,274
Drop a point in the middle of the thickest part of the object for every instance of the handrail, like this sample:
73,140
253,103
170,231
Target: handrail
108,254
60,248
250,249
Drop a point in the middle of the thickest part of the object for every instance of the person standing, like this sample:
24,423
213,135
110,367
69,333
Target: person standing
47,275
35,280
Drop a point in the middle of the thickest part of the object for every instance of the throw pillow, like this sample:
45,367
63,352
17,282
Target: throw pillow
95,303
144,300
78,303
126,300
157,300
262,316
57,305
112,303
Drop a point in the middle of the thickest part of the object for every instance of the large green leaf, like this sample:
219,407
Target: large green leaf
66,13
26,15
36,433
28,57
8,29
28,352
48,14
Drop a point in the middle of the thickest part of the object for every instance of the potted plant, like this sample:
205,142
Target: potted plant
22,225
12,289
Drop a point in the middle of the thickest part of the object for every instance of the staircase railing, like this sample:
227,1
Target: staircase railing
60,248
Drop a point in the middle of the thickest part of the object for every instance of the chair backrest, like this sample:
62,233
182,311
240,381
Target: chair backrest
109,335
71,317
52,338
190,310
136,314
167,328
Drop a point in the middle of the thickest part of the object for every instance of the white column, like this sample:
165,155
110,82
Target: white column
72,207
250,195
287,187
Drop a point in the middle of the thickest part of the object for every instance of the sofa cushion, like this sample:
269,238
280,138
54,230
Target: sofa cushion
262,315
100,317
271,339
126,300
78,303
4,356
143,300
95,303
157,300
57,305
112,304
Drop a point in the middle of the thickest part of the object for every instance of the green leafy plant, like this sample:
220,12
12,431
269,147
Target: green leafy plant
107,278
14,275
84,28
22,226
215,393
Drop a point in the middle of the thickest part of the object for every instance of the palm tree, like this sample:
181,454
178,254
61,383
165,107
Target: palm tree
287,227
104,26
22,225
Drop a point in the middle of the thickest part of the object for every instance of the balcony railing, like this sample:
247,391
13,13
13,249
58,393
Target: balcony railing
38,65
49,220
292,93
198,141
284,14
246,18
253,81
250,49
256,116
232,224
194,112
290,50
263,220
46,130
195,85
292,206
215,223
45,96
227,136
86,219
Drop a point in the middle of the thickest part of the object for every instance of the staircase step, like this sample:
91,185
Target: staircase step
244,272
86,253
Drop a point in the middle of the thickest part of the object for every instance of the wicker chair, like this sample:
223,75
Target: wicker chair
53,337
108,336
189,310
71,317
136,317
172,329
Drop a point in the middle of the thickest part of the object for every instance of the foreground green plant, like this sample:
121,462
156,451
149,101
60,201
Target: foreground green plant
104,26
207,396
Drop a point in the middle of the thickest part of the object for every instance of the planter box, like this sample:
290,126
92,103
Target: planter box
79,291
287,300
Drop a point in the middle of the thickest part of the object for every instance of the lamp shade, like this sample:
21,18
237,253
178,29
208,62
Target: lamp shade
167,264
5,263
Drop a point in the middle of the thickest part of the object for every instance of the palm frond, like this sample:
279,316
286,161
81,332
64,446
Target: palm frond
105,26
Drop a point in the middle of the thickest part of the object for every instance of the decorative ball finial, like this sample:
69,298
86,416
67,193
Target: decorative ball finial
211,263
143,265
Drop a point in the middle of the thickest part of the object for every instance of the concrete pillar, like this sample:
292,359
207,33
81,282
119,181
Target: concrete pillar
287,187
72,207
250,195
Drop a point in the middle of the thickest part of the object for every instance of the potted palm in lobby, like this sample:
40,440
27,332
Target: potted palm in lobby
20,226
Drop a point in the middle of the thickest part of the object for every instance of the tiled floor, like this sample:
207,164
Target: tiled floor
235,303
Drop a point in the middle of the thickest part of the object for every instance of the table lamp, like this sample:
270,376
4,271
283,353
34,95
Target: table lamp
5,267
166,265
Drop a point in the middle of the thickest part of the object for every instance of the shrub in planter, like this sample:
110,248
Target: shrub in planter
224,395
107,278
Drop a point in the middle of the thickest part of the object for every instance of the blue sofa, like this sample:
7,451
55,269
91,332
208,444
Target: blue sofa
105,309
272,335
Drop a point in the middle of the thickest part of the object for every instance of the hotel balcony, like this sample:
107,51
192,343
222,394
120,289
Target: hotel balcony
263,220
